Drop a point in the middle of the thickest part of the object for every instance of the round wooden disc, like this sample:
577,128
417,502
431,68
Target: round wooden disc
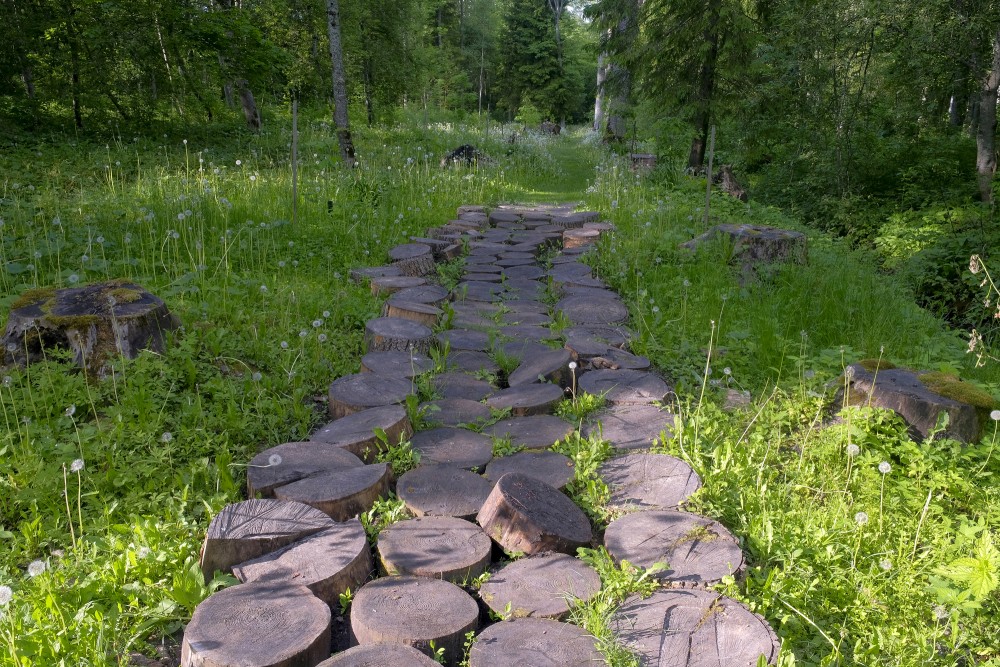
609,335
527,332
519,349
414,611
504,216
429,294
465,339
328,562
534,641
535,432
360,391
648,481
356,432
391,284
293,461
552,468
542,586
521,306
569,271
443,490
593,310
258,625
461,385
516,261
364,274
539,319
471,286
549,366
397,334
455,411
483,277
421,313
524,272
476,292
629,426
517,255
693,628
528,516
615,359
471,361
624,386
453,446
380,655
442,547
341,494
398,364
406,251
699,551
527,399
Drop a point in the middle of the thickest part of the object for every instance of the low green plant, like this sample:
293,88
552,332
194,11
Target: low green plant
438,653
400,456
587,488
580,406
344,600
504,447
383,513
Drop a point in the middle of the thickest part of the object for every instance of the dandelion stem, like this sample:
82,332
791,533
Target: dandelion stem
69,512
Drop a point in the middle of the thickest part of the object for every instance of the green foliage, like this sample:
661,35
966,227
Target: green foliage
586,488
965,583
384,513
400,456
580,406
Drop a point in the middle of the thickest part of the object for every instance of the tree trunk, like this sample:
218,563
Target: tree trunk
340,117
369,91
986,156
706,89
250,111
74,54
602,75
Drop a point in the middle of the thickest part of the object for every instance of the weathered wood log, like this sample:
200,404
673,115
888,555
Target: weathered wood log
483,292
464,339
521,306
523,272
421,313
364,274
691,628
527,399
549,467
461,385
413,259
433,295
392,284
534,641
532,332
540,586
397,364
537,319
341,494
329,563
642,161
380,655
97,323
293,461
243,531
437,246
551,366
414,611
471,361
483,277
755,247
535,432
441,547
500,215
726,180
471,208
453,251
623,387
454,411
613,336
519,349
574,238
398,334
698,551
508,262
443,490
258,625
615,359
526,515
581,309
453,446
648,481
629,426
360,391
356,432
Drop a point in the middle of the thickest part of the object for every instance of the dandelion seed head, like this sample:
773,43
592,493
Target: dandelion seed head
317,324
572,365
36,567
326,313
727,371
6,595
263,289
303,333
861,518
142,552
73,279
284,345
995,415
885,564
884,467
853,450
256,376
322,338
70,411
76,465
166,437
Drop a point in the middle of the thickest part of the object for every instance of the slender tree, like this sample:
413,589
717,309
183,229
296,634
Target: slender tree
986,155
340,116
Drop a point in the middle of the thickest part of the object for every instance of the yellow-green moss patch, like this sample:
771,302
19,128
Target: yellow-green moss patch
873,365
950,386
33,296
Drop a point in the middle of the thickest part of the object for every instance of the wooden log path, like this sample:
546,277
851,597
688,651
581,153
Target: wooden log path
491,381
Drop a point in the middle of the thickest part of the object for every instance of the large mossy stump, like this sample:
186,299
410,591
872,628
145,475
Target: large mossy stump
754,247
97,323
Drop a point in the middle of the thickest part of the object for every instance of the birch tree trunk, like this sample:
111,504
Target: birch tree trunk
340,118
986,154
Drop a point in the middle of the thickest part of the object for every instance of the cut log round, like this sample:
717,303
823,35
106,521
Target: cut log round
252,528
552,468
341,494
433,295
443,490
398,364
450,252
464,339
442,547
534,641
356,432
535,432
437,246
414,611
629,426
461,385
538,319
455,412
413,259
519,349
523,272
527,332
380,655
421,313
528,516
593,310
483,277
293,461
698,551
258,625
364,274
575,238
648,481
504,216
397,334
569,271
329,563
550,366
354,393
476,292
521,306
624,387
453,446
692,628
471,361
527,399
615,359
541,586
611,336
516,261
392,284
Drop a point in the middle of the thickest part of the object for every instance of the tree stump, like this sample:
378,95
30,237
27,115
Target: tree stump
504,216
243,531
615,359
624,387
441,547
341,494
354,393
535,432
648,481
527,399
98,323
437,246
479,292
433,295
534,641
612,336
364,274
455,411
397,334
551,366
413,259
328,563
519,349
464,339
575,238
629,426
414,611
293,461
527,332
528,516
698,551
443,490
541,586
482,277
570,271
258,625
755,246
379,655
461,385
421,313
727,182
691,628
523,272
453,446
593,310
356,432
392,284
398,364
549,467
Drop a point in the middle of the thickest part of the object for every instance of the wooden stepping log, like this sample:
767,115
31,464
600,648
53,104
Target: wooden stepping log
580,309
293,461
574,238
483,277
538,319
616,359
527,399
521,306
574,290
399,364
414,611
519,349
356,432
698,551
477,292
461,385
442,547
455,411
471,361
570,271
453,446
527,332
252,528
549,366
552,468
648,481
499,215
541,586
433,295
534,641
624,387
397,334
258,625
364,274
443,490
516,261
341,494
392,284
421,313
693,628
380,655
328,563
536,432
437,246
629,426
526,515
360,391
464,339
523,272
413,259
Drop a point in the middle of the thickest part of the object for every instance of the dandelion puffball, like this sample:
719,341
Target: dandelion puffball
36,567
76,465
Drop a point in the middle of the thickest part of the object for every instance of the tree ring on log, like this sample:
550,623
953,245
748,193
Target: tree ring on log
356,432
360,391
534,641
443,490
441,547
542,586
